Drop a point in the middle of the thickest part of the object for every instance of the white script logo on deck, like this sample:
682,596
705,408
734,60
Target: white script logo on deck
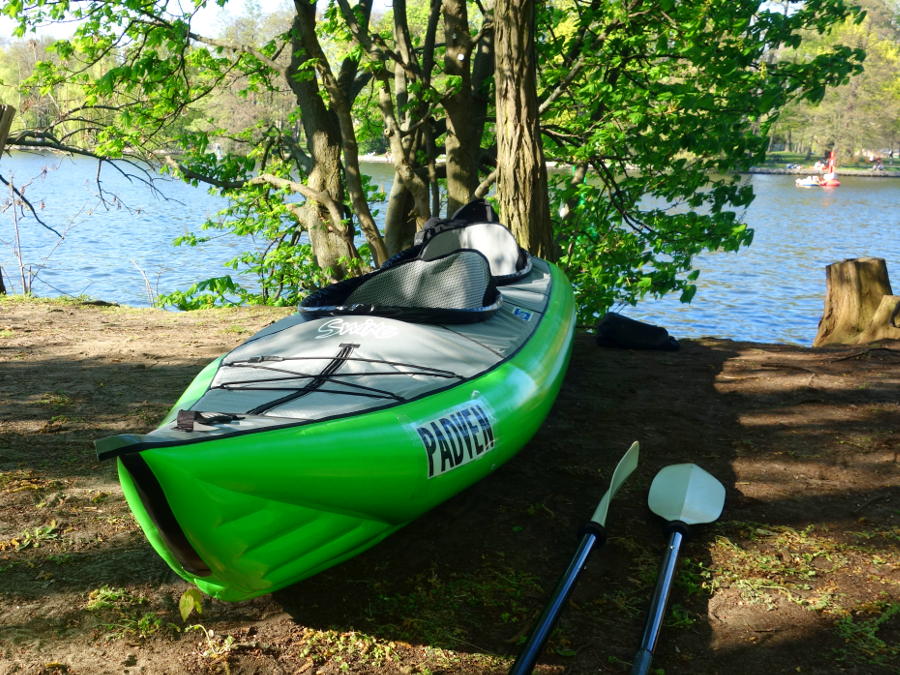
380,330
456,438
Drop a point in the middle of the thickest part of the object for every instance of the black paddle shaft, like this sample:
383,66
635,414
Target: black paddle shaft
593,534
657,612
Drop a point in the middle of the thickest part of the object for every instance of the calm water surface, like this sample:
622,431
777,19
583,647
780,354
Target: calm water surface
770,292
774,290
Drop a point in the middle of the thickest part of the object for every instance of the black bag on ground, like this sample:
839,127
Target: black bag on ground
616,330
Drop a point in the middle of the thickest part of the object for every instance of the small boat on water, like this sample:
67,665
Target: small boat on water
828,179
383,396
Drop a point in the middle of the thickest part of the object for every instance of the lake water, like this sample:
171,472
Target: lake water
774,290
771,292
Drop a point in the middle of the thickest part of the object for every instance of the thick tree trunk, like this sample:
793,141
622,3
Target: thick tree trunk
340,100
466,107
400,220
330,242
7,112
854,302
522,183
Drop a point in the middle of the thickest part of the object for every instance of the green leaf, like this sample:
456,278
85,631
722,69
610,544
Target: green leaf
190,601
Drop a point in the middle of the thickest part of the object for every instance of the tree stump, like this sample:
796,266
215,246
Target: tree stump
886,322
858,303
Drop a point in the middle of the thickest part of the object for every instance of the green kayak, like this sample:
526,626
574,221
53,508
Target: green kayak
380,398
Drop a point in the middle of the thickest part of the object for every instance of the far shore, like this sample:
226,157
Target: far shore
795,171
811,171
891,172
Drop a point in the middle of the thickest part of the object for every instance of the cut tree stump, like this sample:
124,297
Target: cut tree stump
859,304
886,322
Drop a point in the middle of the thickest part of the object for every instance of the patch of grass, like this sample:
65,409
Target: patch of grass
107,597
6,333
678,616
347,649
32,538
142,627
56,399
766,562
20,480
129,614
429,610
218,647
27,298
148,416
862,643
693,578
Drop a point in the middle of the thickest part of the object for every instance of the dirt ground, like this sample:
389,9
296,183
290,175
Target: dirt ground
800,574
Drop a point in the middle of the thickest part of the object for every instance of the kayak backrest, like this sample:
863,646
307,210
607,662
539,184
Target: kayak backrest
474,226
453,288
497,244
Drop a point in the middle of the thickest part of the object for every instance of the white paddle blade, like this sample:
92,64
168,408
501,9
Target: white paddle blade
687,493
623,469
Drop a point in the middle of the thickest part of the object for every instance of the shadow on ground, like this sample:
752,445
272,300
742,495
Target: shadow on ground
799,573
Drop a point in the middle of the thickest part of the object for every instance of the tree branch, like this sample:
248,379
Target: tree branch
26,202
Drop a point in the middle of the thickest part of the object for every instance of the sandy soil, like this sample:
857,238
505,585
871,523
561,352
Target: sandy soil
800,574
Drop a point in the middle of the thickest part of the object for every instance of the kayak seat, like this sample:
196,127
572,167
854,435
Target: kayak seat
507,260
456,287
475,226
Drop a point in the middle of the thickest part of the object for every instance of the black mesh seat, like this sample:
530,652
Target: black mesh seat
453,288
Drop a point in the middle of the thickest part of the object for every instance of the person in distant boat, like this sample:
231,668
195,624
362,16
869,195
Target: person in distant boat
818,166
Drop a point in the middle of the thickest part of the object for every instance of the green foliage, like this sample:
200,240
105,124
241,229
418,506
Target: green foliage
613,258
190,601
32,538
128,612
863,113
671,101
861,636
659,105
107,597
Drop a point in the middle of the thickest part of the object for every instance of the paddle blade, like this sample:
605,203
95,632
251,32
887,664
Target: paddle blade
687,493
623,469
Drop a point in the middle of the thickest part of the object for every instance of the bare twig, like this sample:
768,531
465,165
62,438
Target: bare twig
24,201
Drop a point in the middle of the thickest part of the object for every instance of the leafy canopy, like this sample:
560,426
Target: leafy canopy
650,105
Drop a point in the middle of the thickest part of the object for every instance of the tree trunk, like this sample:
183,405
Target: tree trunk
340,102
400,220
6,115
330,241
466,106
522,183
7,112
855,289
